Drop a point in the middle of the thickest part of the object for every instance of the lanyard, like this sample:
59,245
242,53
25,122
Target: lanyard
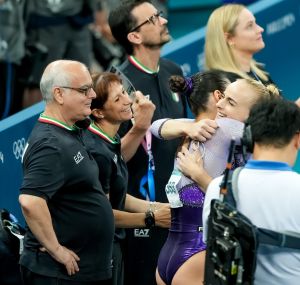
148,179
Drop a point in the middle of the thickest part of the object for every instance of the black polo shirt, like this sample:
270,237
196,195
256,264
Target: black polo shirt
58,168
168,105
113,173
143,245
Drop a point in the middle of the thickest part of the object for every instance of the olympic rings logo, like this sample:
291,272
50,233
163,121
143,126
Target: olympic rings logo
18,148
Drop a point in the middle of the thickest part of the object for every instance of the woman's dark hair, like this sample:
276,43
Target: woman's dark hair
199,87
102,82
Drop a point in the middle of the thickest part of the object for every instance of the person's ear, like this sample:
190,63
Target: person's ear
228,38
218,95
97,113
58,95
134,37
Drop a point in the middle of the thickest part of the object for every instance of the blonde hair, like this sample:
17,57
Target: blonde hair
263,92
218,54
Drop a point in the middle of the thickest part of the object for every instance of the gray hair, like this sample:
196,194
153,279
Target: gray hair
57,73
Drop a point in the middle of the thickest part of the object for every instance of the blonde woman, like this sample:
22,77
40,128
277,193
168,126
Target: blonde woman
232,39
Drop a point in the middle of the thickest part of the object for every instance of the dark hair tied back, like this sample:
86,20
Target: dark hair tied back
181,84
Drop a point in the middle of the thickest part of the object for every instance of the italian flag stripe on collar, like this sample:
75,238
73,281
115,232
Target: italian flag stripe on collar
52,121
140,66
94,129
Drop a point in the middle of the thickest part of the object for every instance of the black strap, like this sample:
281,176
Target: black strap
265,236
232,186
278,239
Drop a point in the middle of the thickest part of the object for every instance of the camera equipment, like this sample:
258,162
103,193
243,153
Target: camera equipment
232,239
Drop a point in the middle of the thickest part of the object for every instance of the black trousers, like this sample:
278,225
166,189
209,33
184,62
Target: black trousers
31,278
141,254
118,265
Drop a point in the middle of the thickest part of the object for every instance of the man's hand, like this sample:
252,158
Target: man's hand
202,130
67,257
38,219
143,110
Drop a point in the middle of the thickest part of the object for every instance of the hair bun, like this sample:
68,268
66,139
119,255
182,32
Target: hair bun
181,84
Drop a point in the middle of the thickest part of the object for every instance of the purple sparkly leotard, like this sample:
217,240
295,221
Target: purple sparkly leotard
185,235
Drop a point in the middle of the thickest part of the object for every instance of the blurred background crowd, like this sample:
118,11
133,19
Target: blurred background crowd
34,33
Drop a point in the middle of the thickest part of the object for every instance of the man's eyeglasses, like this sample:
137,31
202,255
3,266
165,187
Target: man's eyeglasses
84,89
151,20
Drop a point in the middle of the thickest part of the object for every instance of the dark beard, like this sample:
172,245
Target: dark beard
155,46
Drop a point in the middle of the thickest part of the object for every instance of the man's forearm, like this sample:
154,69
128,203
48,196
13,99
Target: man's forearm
38,219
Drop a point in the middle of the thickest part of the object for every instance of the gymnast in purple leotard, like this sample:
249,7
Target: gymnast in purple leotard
185,235
185,196
184,239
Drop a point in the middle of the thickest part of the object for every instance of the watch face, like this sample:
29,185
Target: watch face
149,219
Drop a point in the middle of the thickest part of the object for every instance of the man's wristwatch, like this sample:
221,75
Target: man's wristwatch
149,219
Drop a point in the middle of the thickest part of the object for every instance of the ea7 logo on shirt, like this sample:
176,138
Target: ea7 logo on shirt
115,159
78,157
141,233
